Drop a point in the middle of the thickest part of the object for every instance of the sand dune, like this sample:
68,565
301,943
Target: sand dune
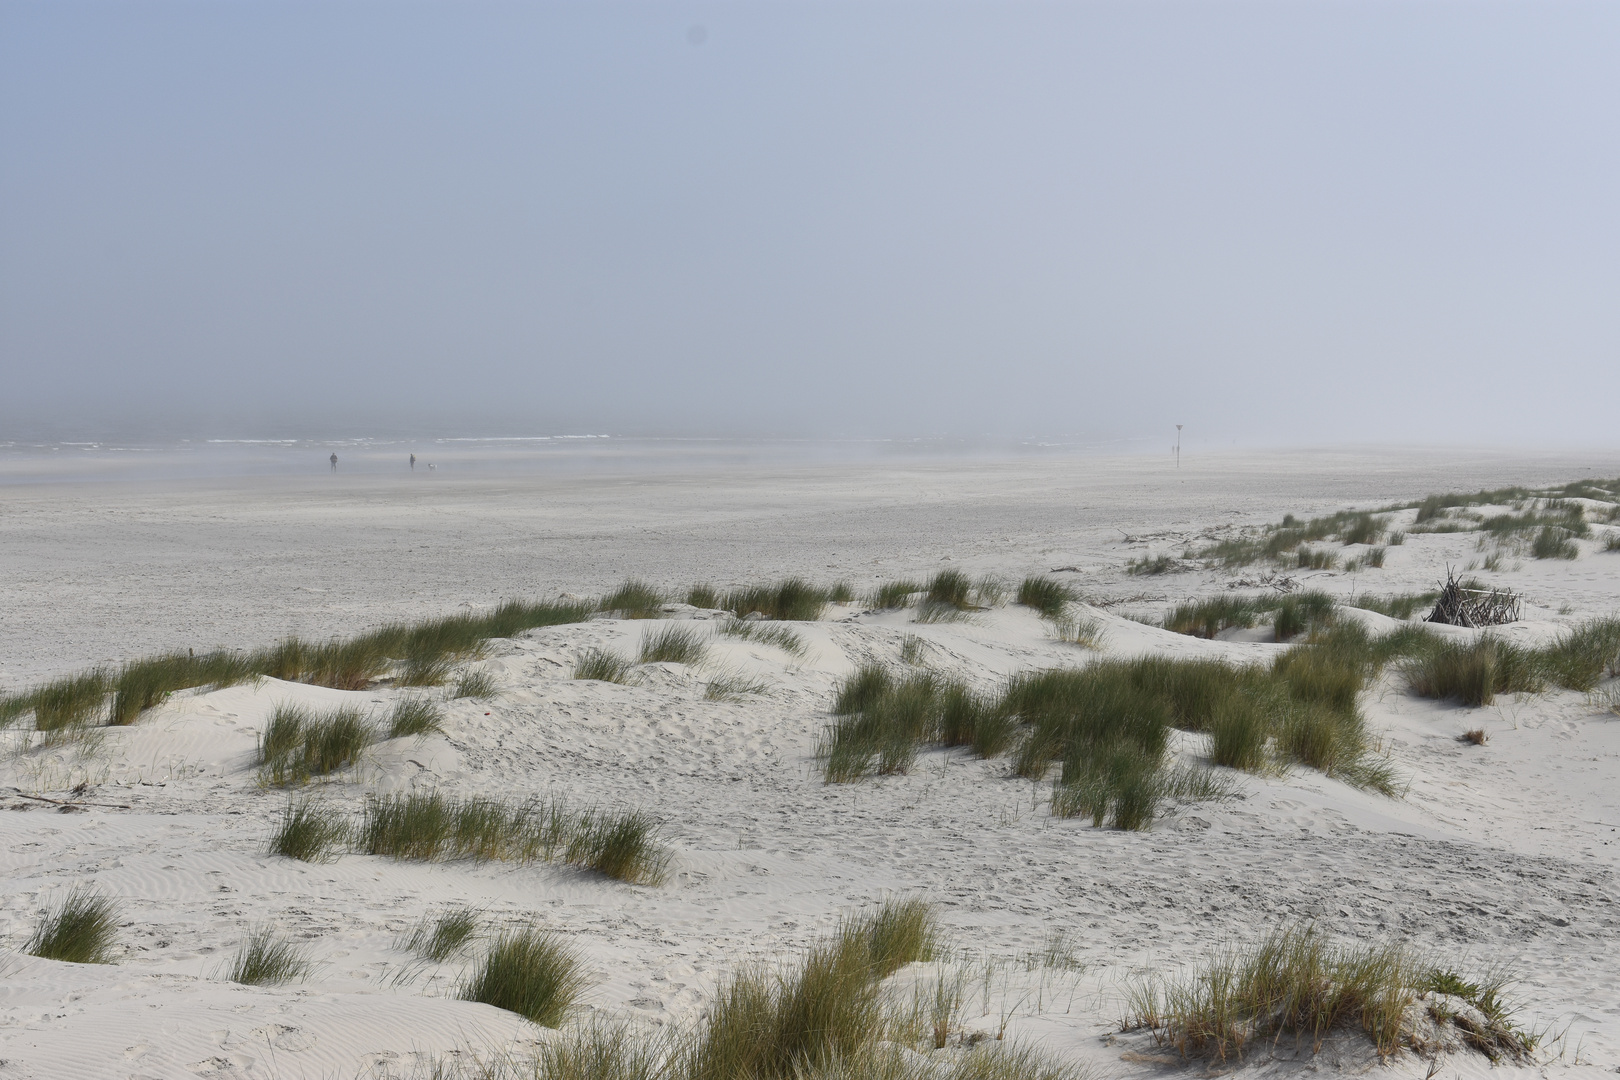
1502,853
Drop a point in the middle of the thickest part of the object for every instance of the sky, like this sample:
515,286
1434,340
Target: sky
1289,223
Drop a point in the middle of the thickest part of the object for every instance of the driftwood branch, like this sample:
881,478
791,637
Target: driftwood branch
21,794
1460,605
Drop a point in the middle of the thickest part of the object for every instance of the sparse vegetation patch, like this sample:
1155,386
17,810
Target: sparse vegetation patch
1153,565
1297,982
432,826
421,653
1475,672
791,600
782,637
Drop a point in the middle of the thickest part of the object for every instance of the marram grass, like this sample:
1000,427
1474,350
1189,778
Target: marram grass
674,643
440,937
265,958
1297,982
529,972
298,744
82,929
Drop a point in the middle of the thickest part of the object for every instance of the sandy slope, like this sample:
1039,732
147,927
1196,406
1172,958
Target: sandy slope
1501,853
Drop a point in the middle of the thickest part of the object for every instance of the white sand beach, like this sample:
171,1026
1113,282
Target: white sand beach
1501,854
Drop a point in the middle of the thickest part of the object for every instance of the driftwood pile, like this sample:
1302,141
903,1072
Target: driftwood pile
1463,603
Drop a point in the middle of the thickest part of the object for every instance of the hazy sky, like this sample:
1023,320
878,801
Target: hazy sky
1271,222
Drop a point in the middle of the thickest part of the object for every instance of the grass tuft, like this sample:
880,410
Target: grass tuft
439,938
782,637
309,831
622,846
529,972
1086,632
81,930
429,827
1297,982
70,702
1240,732
1301,612
415,716
1315,559
989,591
732,686
703,596
1045,596
933,611
596,1050
950,588
790,600
674,644
1207,618
147,683
1473,672
1362,529
813,1021
13,706
633,600
298,745
895,594
883,723
604,665
427,651
1552,542
474,684
265,959
898,933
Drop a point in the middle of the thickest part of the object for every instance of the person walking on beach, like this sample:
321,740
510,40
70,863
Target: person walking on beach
334,462
413,463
